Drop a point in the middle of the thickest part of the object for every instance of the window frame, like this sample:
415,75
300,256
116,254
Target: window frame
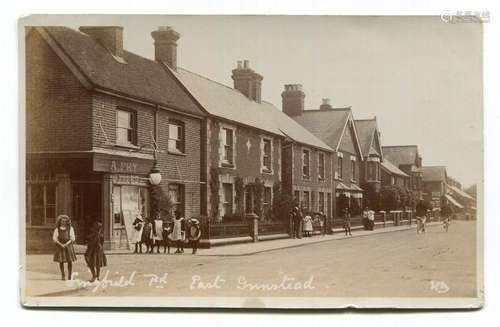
226,146
225,202
269,156
340,168
45,220
321,166
353,170
181,138
179,205
132,128
308,166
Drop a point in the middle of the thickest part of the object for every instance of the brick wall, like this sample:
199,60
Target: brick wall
175,168
58,107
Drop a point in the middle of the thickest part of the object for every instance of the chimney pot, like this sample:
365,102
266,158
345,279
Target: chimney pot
165,38
246,64
247,81
325,105
293,100
240,64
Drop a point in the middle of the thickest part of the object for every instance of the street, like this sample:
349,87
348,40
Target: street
393,264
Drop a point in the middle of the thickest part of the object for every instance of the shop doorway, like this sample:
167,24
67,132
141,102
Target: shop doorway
86,207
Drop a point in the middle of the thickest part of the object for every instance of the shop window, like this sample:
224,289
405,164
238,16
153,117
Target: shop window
176,137
267,155
126,131
306,164
228,137
176,193
321,165
228,199
41,204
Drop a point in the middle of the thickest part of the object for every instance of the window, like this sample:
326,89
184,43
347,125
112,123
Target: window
126,133
176,137
372,171
228,136
176,193
321,202
393,181
228,199
305,163
42,204
305,201
296,196
267,155
339,167
321,165
353,170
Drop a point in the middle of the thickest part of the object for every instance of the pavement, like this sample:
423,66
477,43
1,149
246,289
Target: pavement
53,286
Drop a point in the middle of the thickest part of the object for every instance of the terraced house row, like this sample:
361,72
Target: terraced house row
100,119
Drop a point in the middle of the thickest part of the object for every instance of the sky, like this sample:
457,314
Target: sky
421,77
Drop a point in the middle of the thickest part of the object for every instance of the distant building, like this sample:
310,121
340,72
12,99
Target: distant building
369,139
408,160
392,175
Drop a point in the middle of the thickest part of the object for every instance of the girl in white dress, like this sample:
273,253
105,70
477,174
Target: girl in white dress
178,234
136,235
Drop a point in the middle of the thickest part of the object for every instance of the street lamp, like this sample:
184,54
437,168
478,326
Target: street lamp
154,174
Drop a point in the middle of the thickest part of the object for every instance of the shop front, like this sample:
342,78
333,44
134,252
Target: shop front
88,187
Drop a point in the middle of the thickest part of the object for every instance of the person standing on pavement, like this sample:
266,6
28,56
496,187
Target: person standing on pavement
136,235
420,212
64,237
157,232
371,219
347,221
194,233
297,222
322,223
365,219
178,233
94,256
308,225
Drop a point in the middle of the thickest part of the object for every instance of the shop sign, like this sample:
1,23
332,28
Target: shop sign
129,180
118,165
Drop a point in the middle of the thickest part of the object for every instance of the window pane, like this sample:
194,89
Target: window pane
37,209
122,135
173,132
123,118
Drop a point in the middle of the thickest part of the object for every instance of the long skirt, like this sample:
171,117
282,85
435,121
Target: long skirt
64,254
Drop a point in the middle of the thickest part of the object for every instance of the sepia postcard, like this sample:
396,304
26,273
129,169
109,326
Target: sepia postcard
299,162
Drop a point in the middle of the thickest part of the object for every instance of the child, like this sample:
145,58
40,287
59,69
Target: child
167,230
147,235
322,220
194,233
308,226
136,236
347,221
94,256
446,223
157,232
178,232
63,237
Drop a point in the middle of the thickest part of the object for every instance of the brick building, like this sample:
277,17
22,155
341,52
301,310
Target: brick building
248,142
335,127
94,111
392,175
407,159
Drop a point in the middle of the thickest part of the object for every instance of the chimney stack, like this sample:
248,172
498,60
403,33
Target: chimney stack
325,105
166,46
293,100
247,81
110,37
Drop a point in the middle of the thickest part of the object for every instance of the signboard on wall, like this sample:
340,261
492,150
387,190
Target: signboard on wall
121,165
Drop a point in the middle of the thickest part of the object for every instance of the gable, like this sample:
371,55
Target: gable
376,147
348,141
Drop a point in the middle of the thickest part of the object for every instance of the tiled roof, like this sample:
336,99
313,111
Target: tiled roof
327,125
138,77
388,166
225,102
434,173
460,192
366,130
401,154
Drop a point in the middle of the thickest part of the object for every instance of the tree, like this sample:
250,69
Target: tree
390,196
371,196
282,203
214,193
161,203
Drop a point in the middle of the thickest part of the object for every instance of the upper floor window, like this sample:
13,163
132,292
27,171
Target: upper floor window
267,155
340,162
372,171
321,165
353,170
305,202
176,194
306,164
227,141
126,131
176,137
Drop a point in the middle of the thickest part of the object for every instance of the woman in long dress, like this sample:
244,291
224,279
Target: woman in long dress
94,256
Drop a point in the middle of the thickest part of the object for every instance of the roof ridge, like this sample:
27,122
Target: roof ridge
327,110
366,119
399,146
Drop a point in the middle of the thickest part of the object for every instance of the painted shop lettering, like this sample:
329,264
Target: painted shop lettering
123,166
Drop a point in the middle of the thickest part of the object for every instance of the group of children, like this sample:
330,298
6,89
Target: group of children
157,232
304,225
151,233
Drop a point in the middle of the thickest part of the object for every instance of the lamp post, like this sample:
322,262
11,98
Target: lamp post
154,174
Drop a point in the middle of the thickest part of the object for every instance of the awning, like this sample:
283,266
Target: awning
356,188
459,192
453,201
342,187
